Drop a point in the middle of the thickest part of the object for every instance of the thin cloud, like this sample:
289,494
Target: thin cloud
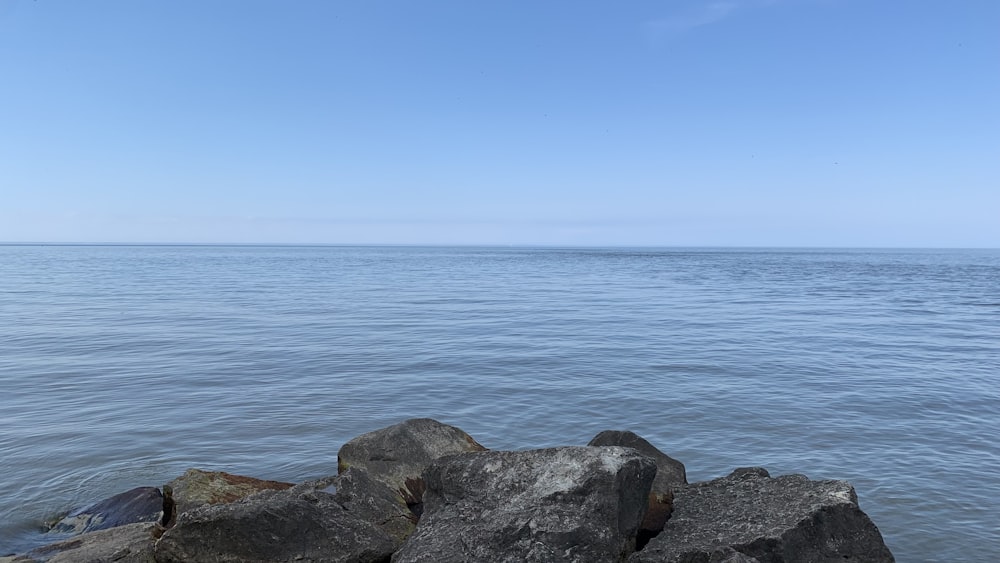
701,16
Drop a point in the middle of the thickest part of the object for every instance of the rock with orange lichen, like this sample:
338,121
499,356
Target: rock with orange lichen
197,488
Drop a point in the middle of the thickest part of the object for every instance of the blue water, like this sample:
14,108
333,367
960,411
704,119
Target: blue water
122,366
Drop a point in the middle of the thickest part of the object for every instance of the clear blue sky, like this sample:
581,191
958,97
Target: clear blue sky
739,122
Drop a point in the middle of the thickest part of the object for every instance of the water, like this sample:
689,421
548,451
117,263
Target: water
122,366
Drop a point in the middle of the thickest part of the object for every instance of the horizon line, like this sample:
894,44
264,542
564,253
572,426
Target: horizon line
488,245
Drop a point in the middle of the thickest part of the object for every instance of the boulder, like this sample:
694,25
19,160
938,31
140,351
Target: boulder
749,516
142,504
669,474
274,526
197,488
669,471
398,455
367,499
561,504
373,501
129,543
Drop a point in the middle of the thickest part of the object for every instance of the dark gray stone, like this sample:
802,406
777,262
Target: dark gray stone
669,471
748,514
374,502
142,504
129,543
561,504
398,455
368,499
669,474
275,526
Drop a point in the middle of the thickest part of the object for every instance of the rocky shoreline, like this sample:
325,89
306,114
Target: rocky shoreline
423,491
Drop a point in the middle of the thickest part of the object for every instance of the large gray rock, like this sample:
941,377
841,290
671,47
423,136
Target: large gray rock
142,504
748,514
373,501
560,504
130,543
197,488
274,526
398,455
670,473
368,499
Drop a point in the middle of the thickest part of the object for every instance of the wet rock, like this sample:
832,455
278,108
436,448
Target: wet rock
130,543
669,474
785,519
274,526
398,455
197,488
142,504
560,504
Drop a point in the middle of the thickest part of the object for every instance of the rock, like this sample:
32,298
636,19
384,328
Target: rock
129,543
748,514
729,555
142,504
274,526
367,499
197,488
560,504
145,504
669,471
397,455
669,474
373,501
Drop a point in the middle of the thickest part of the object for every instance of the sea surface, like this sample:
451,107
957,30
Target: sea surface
122,366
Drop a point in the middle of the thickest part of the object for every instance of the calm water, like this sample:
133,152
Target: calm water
123,366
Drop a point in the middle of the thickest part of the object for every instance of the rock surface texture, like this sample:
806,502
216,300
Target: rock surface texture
560,504
274,526
749,515
423,491
130,543
142,504
197,488
372,501
398,455
670,473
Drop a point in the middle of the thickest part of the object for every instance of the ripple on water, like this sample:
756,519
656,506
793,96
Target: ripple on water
124,366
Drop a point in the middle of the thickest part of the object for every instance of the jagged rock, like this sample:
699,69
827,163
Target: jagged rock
367,499
274,526
398,455
197,488
373,501
669,474
669,471
142,504
129,543
561,504
729,555
748,514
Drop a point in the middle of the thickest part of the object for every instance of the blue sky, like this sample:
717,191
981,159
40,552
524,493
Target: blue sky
688,123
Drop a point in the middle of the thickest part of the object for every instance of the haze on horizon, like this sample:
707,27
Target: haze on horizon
685,123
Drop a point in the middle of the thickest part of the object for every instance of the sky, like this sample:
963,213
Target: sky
845,123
